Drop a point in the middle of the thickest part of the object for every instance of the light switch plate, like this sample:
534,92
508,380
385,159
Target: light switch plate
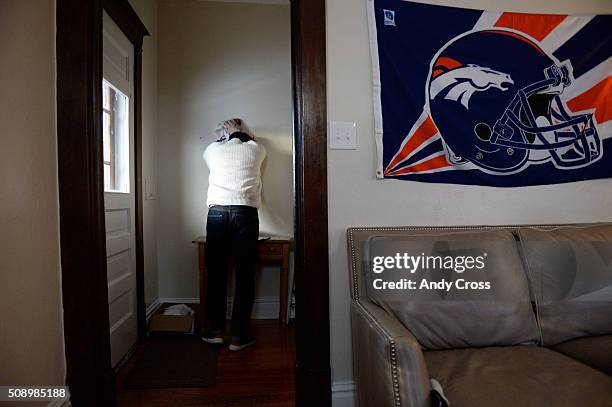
343,135
150,190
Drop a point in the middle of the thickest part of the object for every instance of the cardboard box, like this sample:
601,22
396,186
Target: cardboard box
171,323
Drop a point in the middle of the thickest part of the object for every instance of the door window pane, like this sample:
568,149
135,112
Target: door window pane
107,177
106,132
115,138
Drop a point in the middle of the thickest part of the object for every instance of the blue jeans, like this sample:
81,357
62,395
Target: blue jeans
232,231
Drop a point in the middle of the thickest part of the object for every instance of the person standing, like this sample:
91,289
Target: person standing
232,231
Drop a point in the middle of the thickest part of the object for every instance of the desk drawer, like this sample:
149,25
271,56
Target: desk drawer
271,249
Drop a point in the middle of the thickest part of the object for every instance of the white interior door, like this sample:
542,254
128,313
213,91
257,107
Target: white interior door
119,196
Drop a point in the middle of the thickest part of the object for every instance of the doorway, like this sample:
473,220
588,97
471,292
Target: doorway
82,226
213,64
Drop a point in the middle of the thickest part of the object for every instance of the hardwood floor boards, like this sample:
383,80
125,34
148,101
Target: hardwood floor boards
255,377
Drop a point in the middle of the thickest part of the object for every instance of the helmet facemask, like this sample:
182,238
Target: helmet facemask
538,121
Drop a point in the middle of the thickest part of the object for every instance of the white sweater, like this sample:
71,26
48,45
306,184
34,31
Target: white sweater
235,173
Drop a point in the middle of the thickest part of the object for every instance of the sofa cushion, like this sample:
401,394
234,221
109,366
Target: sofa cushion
526,376
595,351
570,269
455,317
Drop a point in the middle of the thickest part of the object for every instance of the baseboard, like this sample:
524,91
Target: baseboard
264,307
177,300
152,308
343,394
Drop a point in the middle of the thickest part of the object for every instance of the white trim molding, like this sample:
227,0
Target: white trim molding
343,394
152,308
264,307
177,300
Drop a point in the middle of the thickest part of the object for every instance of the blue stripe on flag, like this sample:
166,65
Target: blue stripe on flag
577,50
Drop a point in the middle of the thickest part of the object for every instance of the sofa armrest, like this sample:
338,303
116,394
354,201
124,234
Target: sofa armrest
389,366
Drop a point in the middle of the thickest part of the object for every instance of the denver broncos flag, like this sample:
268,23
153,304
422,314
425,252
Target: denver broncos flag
490,98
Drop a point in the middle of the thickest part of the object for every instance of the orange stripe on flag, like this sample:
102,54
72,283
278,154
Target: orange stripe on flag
536,25
595,98
426,130
431,164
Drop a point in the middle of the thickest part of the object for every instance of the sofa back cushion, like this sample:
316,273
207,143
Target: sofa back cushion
570,269
453,302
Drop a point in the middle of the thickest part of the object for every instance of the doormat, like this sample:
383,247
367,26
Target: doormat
173,360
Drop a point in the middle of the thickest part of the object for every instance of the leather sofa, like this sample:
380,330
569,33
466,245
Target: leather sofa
539,335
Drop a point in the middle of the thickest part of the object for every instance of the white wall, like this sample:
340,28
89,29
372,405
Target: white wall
147,11
217,61
31,330
356,198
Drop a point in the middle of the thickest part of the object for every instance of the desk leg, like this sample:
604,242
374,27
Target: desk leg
203,285
284,289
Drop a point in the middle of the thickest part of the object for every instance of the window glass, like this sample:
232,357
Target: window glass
106,132
107,177
115,138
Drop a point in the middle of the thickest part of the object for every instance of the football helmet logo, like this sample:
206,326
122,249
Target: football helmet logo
461,83
494,96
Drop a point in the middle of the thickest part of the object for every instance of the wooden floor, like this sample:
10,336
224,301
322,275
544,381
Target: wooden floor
259,376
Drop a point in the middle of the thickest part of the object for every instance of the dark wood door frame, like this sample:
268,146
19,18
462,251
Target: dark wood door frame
313,373
90,376
89,373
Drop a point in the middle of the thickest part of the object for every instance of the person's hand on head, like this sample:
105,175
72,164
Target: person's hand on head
232,126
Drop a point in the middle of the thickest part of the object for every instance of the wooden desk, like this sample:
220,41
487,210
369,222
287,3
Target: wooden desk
274,249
